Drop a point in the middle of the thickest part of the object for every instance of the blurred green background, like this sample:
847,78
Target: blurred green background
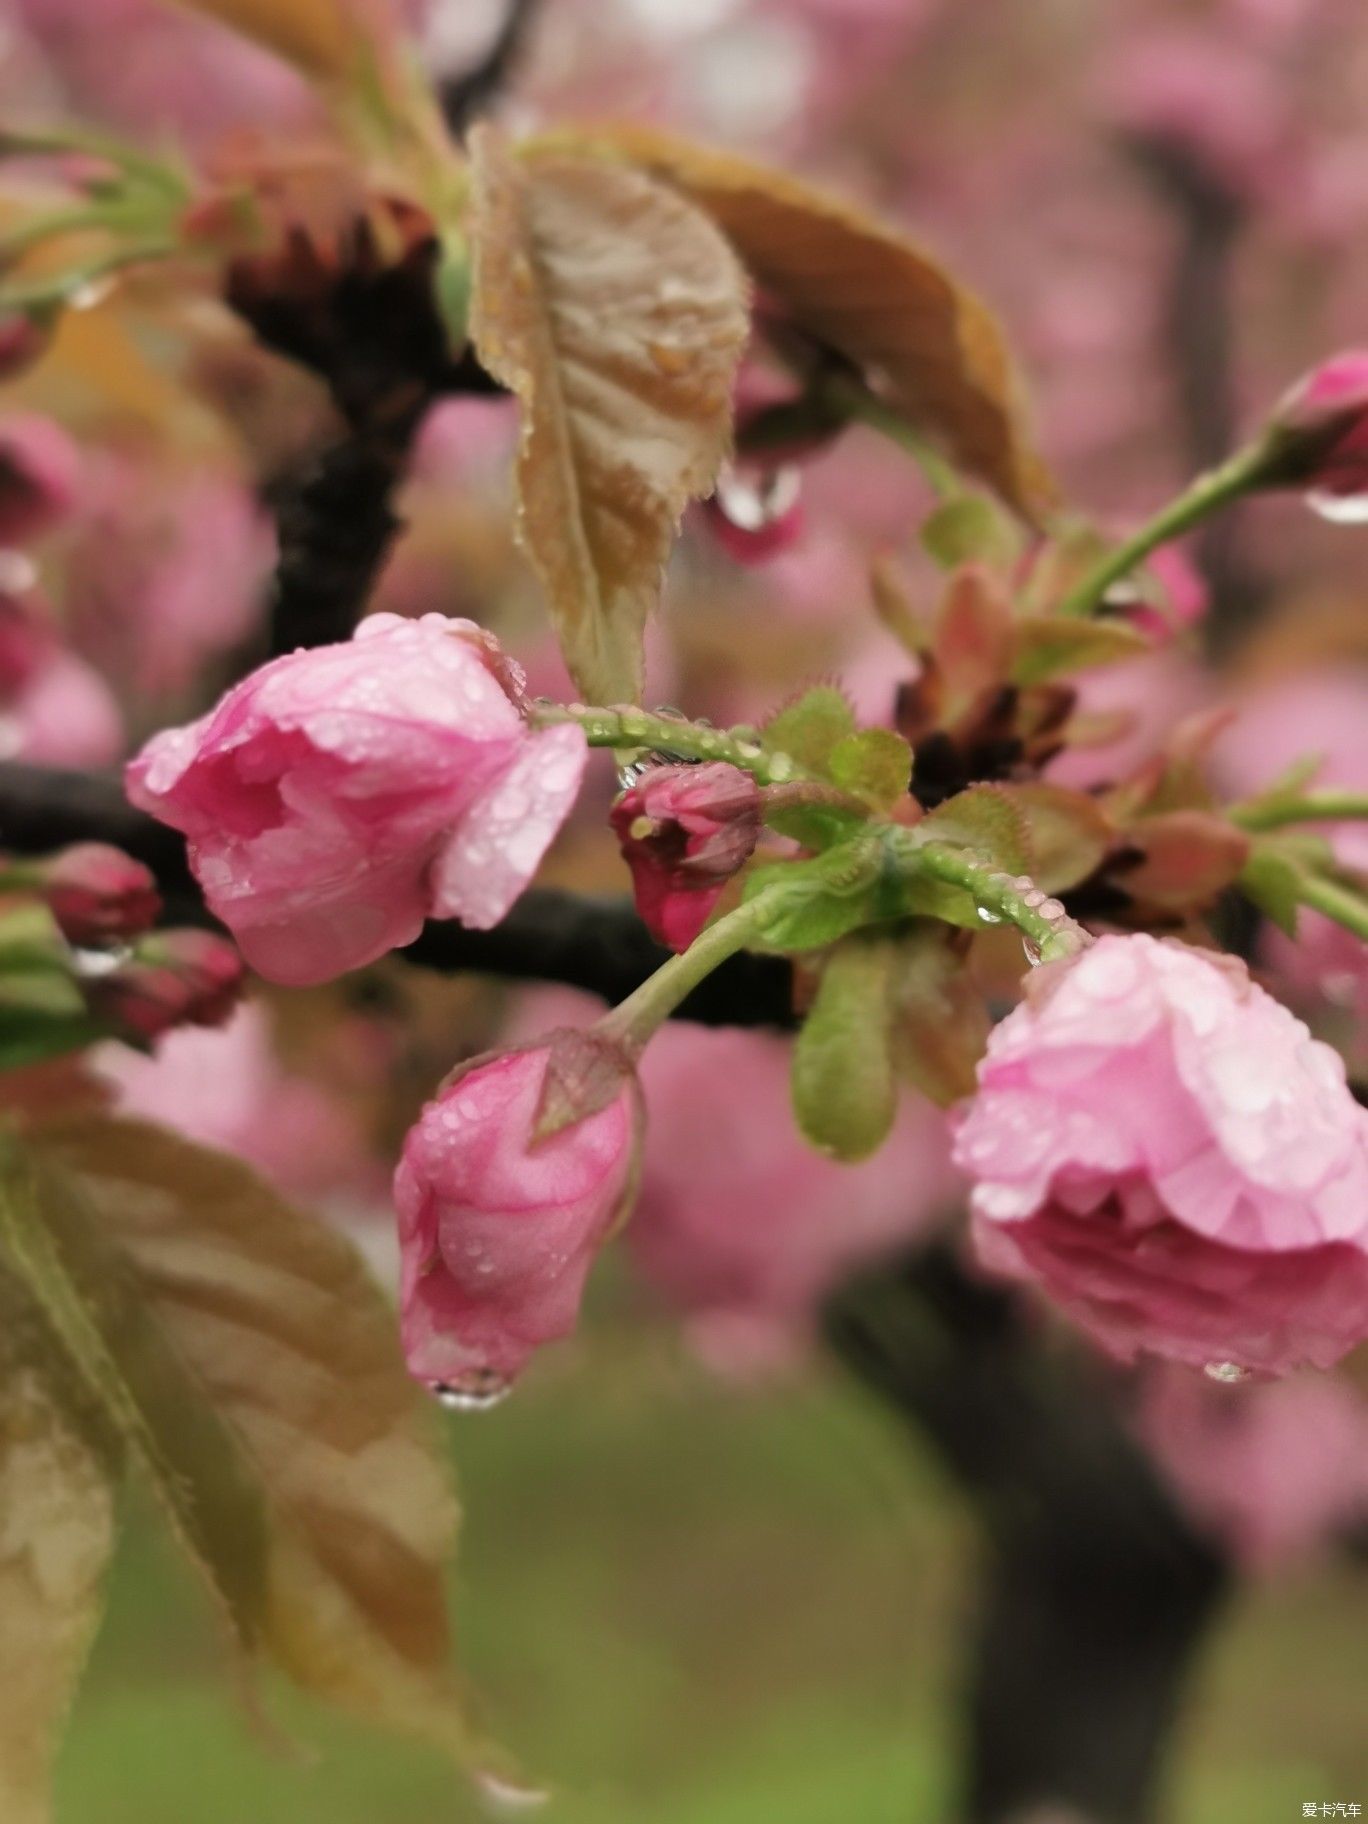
695,1605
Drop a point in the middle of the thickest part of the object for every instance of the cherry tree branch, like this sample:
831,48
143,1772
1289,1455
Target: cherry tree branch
1098,1593
581,941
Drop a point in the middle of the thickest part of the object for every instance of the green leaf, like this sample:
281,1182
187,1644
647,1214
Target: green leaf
968,529
251,1369
844,1091
1055,646
58,1475
874,764
1068,833
1272,879
985,819
811,728
939,1017
809,904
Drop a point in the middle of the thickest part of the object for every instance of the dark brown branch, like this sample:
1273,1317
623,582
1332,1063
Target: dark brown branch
597,944
466,96
1098,1593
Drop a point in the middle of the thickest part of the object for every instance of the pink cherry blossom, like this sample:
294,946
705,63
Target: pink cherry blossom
227,1088
54,709
740,1224
498,1229
1273,1470
685,831
39,469
1168,1152
338,797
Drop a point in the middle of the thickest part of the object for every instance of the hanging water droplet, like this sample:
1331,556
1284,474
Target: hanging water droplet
754,499
504,1796
91,965
1229,1374
474,1390
1339,509
90,294
1032,949
986,917
1124,593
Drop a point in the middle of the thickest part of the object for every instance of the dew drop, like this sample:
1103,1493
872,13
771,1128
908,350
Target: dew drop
1032,949
474,1390
1339,509
1229,1374
1124,593
986,917
505,1797
757,499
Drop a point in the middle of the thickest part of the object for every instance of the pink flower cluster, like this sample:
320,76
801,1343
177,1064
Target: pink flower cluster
337,798
1167,1151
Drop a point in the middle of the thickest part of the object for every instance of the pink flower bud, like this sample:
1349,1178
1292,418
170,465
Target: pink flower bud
338,797
177,978
684,831
1167,1151
98,894
39,466
499,1220
756,511
1318,436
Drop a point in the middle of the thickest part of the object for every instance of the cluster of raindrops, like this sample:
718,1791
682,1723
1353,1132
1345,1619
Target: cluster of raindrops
473,1390
1066,936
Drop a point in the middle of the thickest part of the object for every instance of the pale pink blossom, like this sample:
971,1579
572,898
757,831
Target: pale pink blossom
1273,1471
743,1226
39,476
1166,1151
228,1089
498,1227
338,797
54,709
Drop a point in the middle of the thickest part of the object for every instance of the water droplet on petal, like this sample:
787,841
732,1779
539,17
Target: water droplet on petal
1229,1374
506,1797
1339,509
752,500
474,1390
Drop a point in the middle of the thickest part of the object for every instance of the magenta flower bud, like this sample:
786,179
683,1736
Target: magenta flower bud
1171,1155
684,831
1318,435
338,797
509,1183
39,467
176,978
98,894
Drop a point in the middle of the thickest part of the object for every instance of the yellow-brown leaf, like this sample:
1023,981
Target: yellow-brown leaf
56,1535
256,1365
616,312
319,37
929,344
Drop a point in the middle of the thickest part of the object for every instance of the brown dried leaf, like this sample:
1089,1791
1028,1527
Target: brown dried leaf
56,1536
616,312
930,346
246,1358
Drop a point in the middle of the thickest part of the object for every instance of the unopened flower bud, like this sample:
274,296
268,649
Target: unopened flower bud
175,978
1318,435
97,894
685,831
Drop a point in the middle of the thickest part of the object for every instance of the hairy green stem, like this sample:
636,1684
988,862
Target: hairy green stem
1207,495
632,1021
1274,813
1006,898
623,726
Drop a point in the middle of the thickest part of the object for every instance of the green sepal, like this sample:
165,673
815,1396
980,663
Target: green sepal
874,764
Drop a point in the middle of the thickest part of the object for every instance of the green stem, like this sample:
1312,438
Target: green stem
1014,899
1338,902
632,1021
858,402
57,291
1311,807
1207,495
626,727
